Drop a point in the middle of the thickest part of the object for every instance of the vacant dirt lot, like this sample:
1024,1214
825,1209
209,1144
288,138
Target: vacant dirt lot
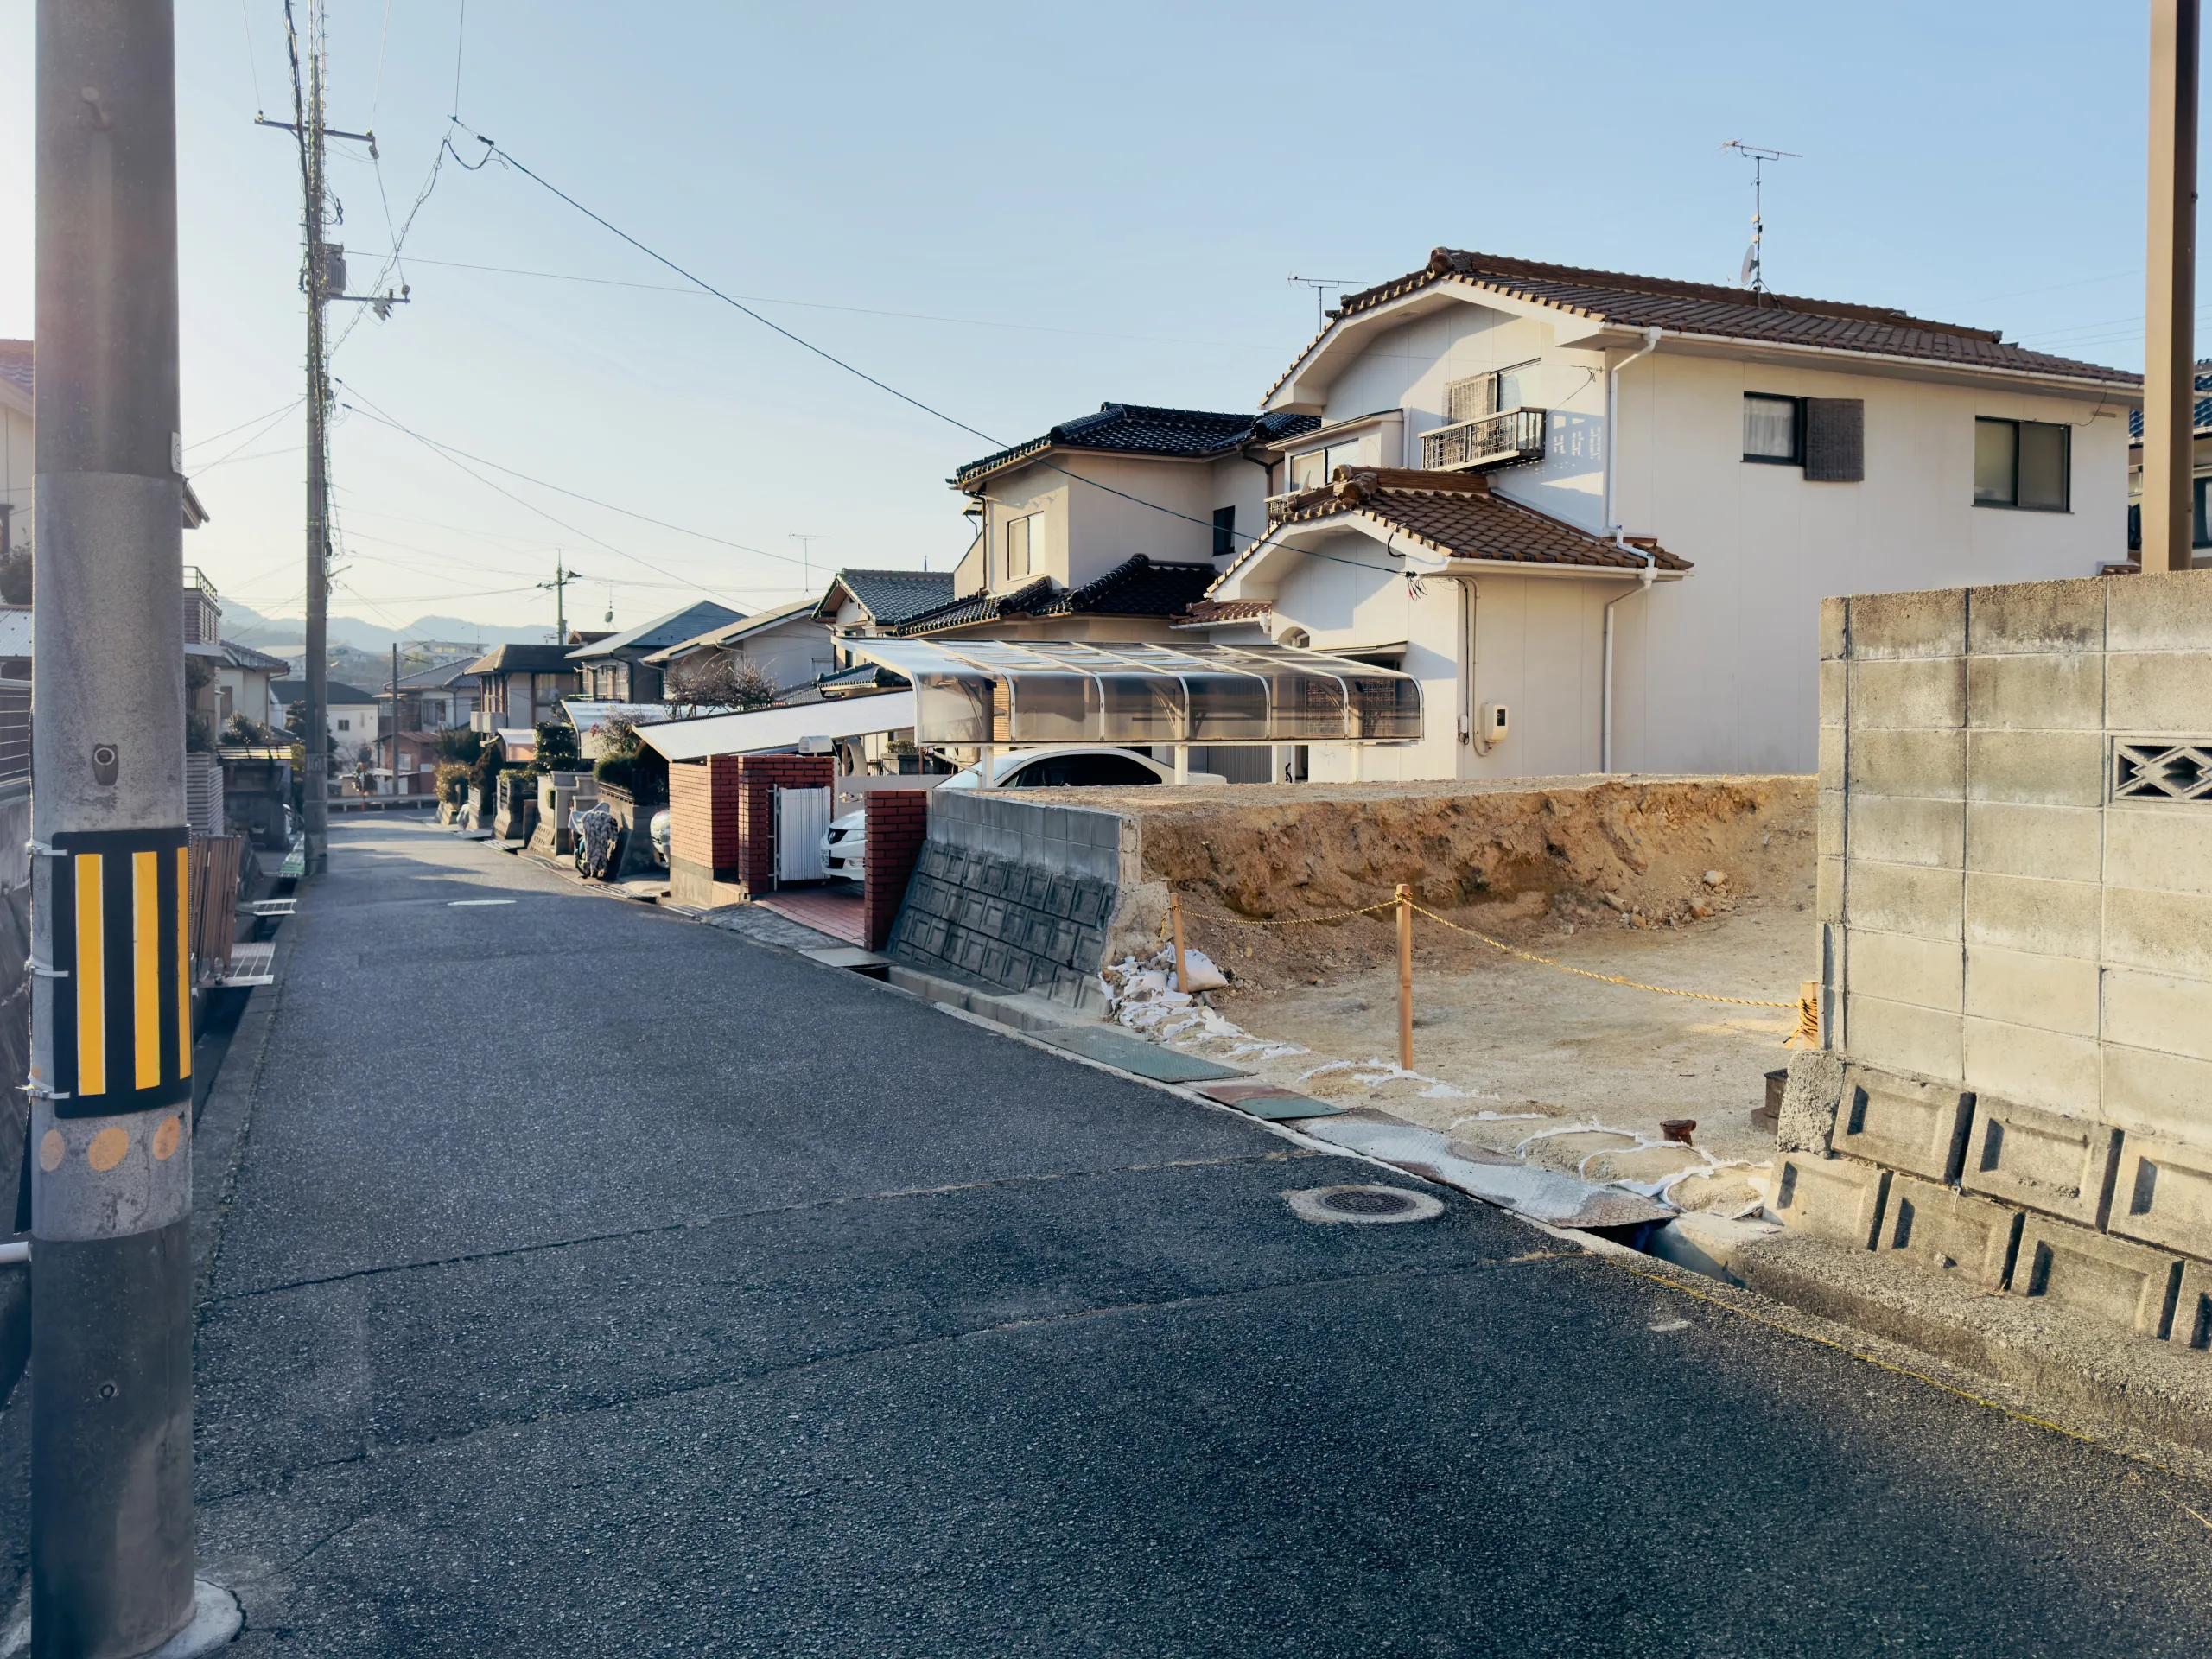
1606,875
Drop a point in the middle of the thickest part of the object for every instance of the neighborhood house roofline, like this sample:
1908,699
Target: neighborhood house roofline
732,633
693,620
885,595
761,731
1141,430
335,694
1585,303
522,660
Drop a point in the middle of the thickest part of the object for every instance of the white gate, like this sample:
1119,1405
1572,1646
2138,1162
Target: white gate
802,820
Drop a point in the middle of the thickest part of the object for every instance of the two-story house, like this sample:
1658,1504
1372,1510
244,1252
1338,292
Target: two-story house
434,699
1108,526
620,667
789,647
1594,514
519,687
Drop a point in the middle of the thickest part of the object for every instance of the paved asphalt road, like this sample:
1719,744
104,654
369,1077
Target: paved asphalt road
595,1282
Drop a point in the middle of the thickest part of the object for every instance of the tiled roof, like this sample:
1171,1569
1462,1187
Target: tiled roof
730,634
1138,429
438,678
888,596
1456,515
16,365
522,660
245,656
1139,586
1213,613
1728,312
2203,417
688,623
336,694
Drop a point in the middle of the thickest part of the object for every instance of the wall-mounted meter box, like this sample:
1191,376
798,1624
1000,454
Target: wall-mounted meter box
1495,722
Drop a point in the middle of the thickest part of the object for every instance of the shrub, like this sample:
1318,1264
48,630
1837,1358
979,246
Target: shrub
452,782
460,743
619,770
241,730
719,679
557,748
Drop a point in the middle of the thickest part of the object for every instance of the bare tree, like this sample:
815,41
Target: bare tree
719,679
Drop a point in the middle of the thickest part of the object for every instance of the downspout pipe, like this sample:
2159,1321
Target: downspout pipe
1650,571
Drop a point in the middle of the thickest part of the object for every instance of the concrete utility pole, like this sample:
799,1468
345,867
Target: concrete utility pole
394,717
562,577
111,1523
2168,343
307,104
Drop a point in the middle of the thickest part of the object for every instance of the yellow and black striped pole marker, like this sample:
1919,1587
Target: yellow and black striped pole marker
122,944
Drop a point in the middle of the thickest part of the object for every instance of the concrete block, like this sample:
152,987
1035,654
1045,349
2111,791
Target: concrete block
1834,637
1898,1034
2168,611
2152,1093
1833,746
1929,624
1927,973
2163,1195
2106,1279
2165,932
2054,1162
2065,844
2037,616
2159,1011
2168,691
2050,1069
1899,830
2166,848
1810,1101
1904,898
1905,1122
2048,919
1835,680
1946,1231
1930,765
2041,693
1908,692
2192,1321
2057,993
1832,1198
2036,768
1828,889
1828,819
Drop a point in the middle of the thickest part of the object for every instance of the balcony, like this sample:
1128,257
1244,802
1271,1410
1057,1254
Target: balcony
1507,440
203,615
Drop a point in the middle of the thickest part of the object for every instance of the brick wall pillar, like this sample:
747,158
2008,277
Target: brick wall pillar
758,776
898,823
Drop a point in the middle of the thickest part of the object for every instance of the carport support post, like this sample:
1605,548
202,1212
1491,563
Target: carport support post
1405,977
111,1528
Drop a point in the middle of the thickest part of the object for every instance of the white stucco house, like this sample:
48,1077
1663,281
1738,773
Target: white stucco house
786,643
1507,464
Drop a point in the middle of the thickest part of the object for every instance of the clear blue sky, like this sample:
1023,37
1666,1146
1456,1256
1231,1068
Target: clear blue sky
1065,205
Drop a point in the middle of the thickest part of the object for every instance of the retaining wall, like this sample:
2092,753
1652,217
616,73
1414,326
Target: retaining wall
2015,897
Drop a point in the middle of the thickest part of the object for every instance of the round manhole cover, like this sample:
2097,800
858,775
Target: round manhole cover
1362,1204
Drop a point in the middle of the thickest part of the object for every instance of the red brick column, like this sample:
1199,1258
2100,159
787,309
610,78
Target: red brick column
758,776
898,823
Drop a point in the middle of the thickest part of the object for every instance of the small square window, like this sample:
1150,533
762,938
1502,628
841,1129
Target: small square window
1773,429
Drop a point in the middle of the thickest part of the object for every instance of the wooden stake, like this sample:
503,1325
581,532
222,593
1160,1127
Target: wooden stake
1175,911
1405,977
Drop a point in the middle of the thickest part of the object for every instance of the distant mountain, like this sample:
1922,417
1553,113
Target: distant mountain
248,627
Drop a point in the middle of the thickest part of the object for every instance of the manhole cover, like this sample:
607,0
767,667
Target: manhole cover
1362,1204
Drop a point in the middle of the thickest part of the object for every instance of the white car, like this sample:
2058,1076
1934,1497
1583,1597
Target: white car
1072,766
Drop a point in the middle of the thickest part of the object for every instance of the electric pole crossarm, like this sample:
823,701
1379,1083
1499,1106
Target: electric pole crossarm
328,132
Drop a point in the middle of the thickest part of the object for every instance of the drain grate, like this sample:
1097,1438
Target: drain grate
1362,1204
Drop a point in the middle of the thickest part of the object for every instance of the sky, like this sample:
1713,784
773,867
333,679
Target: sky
1012,214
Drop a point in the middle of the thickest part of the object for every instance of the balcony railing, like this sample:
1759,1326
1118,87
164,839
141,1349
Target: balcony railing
203,613
1507,440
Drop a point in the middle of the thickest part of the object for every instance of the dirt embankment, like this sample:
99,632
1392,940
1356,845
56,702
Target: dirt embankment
1523,861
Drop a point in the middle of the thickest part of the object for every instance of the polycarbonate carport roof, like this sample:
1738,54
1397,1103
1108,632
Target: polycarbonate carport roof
971,692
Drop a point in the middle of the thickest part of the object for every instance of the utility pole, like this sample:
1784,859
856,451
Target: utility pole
2168,343
110,1087
562,577
394,717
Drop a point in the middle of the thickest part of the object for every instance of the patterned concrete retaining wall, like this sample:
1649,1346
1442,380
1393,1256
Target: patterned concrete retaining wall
1017,894
2016,910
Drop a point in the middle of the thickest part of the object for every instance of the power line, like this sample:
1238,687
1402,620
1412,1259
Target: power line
270,415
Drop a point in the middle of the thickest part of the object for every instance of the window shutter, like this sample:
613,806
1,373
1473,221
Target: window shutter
1835,439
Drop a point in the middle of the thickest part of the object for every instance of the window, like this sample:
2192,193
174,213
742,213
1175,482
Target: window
1316,467
1225,529
1773,429
1025,545
1488,394
345,725
1082,772
2021,464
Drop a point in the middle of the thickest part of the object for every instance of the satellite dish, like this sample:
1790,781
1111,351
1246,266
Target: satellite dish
1751,265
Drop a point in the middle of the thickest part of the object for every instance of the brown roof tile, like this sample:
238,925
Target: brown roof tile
1455,514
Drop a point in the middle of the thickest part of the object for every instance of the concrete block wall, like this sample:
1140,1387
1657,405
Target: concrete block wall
2005,921
897,826
1016,894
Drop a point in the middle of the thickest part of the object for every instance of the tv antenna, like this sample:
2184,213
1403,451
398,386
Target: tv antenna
806,540
1318,284
1753,275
